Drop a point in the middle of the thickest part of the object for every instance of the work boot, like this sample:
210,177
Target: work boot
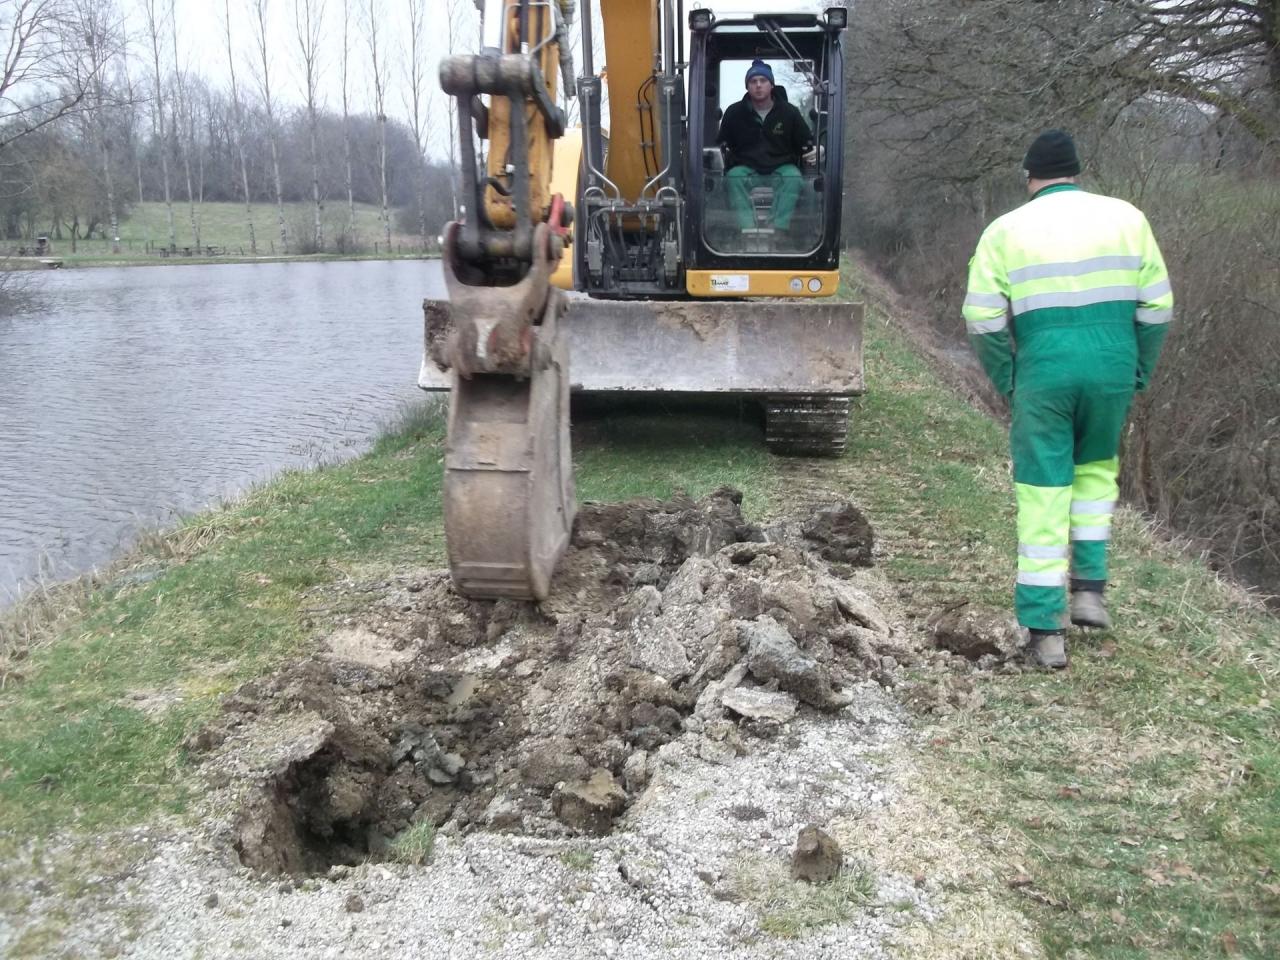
1089,610
1048,649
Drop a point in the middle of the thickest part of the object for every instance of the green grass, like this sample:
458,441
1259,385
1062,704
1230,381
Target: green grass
791,908
656,448
223,225
579,858
414,846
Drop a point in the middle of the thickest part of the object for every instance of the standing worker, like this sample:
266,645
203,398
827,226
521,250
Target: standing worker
1080,279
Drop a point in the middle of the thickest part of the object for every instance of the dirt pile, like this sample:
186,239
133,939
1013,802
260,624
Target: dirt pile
667,619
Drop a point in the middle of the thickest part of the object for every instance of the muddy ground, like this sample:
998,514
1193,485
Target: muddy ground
642,749
665,618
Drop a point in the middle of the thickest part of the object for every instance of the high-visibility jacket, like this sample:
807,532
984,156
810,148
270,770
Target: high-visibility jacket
1073,276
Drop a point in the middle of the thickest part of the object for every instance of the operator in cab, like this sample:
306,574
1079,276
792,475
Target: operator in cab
767,140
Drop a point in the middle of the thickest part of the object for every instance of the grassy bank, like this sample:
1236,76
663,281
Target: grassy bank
1133,803
145,232
1143,786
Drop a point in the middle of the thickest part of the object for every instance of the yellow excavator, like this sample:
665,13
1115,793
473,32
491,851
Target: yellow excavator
628,257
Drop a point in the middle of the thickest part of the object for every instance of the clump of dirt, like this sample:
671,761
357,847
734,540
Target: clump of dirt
841,534
979,634
546,719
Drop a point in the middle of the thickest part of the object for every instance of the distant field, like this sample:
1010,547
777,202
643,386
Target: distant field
223,225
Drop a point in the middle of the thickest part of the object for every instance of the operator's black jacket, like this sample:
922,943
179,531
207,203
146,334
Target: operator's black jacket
782,137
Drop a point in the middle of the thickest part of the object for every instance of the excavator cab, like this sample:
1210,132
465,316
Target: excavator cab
668,212
737,217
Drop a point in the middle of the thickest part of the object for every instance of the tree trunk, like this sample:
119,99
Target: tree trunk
378,58
315,186
238,117
346,122
275,167
111,197
382,163
182,113
260,7
153,30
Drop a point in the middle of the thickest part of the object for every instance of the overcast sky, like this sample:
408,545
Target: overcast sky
202,48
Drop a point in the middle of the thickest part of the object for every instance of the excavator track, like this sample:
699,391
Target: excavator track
806,425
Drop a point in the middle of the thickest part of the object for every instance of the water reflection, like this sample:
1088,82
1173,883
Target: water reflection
129,396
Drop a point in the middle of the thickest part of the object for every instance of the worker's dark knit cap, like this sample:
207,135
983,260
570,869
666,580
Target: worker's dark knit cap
1052,155
759,68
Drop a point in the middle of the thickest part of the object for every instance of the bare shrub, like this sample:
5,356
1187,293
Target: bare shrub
302,235
1204,443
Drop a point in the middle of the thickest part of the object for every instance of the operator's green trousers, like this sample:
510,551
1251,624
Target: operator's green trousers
1072,391
785,181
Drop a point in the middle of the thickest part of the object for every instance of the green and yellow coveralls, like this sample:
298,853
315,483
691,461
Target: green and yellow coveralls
1076,281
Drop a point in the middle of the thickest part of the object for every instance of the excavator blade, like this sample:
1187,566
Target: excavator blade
763,348
508,487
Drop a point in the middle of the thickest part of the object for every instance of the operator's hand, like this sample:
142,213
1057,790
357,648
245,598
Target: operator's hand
811,155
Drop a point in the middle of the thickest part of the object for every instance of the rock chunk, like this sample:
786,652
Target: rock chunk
760,704
552,761
656,647
589,806
772,654
817,857
974,632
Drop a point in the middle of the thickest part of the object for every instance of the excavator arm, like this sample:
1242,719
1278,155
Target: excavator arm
508,489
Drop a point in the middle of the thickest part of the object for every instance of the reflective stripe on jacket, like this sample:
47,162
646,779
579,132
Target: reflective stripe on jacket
1064,261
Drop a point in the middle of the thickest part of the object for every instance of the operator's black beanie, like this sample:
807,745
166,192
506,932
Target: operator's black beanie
1052,155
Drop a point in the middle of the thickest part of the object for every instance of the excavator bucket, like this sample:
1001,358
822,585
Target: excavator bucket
508,476
508,472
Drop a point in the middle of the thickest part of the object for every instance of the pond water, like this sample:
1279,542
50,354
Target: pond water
130,396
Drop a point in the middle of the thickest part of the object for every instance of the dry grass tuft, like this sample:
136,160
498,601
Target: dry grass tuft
790,908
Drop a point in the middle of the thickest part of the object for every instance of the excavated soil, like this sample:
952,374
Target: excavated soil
666,618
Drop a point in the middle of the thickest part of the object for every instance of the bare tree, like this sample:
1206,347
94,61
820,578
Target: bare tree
378,62
259,8
346,118
237,115
1223,54
420,101
308,15
99,24
154,27
135,100
183,123
41,79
